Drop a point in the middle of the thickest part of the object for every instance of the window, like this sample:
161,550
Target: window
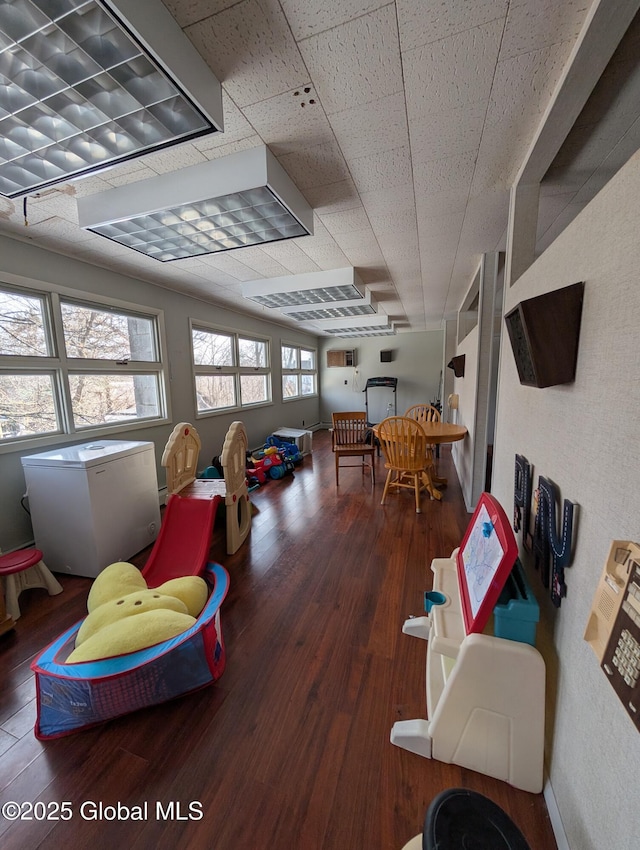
299,373
231,370
68,365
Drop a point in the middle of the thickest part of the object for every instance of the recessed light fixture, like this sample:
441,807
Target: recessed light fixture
89,83
311,288
243,199
361,306
363,324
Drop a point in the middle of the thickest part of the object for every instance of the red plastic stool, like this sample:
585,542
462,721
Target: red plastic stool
23,570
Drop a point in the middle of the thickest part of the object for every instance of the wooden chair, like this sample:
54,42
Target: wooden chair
348,437
407,455
425,413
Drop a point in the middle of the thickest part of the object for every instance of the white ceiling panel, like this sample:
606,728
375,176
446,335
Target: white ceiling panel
314,166
440,77
372,128
424,23
382,171
251,46
357,62
291,121
422,117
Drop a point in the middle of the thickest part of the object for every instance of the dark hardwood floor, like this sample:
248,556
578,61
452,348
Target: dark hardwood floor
290,749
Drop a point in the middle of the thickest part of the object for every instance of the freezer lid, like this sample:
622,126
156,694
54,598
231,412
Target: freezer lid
85,455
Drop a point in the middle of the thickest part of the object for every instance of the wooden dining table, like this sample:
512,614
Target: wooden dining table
437,433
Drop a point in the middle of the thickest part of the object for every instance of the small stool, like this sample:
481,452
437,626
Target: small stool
460,818
23,570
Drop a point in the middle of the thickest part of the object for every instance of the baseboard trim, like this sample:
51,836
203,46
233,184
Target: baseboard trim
554,816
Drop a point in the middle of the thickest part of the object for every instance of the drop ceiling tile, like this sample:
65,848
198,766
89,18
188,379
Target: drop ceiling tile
367,70
361,248
532,26
292,257
382,171
233,147
287,126
231,266
346,221
250,48
48,204
439,205
449,174
392,221
174,158
378,201
375,127
316,166
449,133
308,19
333,197
58,233
191,11
523,86
423,23
263,264
485,222
326,255
452,73
236,127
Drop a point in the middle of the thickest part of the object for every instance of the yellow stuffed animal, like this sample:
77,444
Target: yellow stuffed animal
124,615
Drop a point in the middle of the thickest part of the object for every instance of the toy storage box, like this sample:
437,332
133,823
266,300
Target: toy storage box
302,439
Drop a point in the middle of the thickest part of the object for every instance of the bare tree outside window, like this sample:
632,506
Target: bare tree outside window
106,365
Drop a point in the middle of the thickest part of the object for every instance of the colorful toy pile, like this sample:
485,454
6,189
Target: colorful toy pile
277,459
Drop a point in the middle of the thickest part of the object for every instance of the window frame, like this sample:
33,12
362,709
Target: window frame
235,371
62,367
299,372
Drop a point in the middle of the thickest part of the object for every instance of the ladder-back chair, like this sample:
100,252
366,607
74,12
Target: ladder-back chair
349,439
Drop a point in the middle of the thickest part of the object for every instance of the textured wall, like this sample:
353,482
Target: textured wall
585,437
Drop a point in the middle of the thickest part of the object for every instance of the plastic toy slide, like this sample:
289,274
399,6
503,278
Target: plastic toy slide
182,546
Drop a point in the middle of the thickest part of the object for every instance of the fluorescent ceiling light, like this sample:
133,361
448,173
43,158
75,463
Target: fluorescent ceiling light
337,285
338,309
86,83
243,199
363,324
356,333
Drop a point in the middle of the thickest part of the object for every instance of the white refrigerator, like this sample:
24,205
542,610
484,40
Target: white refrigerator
93,504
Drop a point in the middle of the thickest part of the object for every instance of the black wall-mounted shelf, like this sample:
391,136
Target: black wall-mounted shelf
544,333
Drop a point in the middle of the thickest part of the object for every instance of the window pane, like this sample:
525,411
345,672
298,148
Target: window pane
290,386
215,392
307,384
22,326
101,398
307,359
289,357
252,353
212,349
95,334
254,389
27,405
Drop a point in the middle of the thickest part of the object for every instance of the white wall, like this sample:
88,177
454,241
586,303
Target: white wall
20,258
585,437
417,363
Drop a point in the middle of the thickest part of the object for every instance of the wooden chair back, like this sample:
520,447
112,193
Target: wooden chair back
404,444
423,413
349,429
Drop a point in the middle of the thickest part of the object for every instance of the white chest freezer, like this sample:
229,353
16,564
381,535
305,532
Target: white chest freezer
93,504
